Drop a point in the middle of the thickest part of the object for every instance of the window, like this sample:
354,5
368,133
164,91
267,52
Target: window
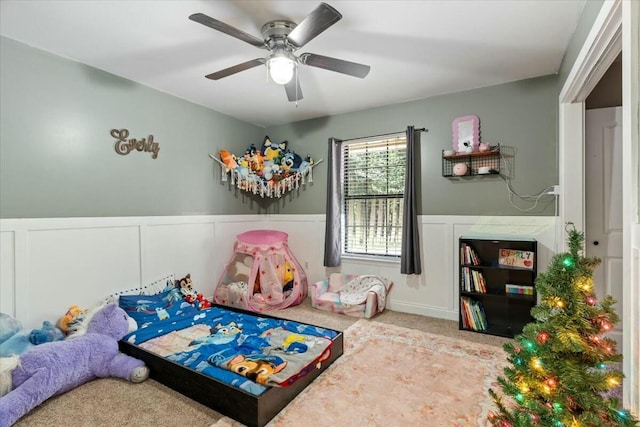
373,190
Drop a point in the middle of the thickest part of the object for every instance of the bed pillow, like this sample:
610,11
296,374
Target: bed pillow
145,309
155,287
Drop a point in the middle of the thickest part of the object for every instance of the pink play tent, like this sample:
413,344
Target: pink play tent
262,274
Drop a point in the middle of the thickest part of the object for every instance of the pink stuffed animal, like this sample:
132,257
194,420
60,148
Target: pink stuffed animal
57,367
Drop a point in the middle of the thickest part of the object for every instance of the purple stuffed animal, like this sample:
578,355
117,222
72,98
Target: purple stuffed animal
57,367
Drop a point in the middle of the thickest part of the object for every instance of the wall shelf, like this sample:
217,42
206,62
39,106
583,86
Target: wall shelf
488,159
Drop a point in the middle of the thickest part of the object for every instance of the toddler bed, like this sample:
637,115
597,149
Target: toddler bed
244,365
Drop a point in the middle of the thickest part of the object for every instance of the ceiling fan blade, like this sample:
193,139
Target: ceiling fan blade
235,69
321,18
294,93
338,65
203,19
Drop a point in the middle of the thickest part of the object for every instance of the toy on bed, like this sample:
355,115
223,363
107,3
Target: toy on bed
186,289
57,367
190,295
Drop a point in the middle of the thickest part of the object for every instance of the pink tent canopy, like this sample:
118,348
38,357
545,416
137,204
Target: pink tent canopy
262,274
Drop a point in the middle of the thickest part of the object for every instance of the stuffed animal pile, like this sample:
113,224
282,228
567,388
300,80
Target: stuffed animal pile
269,170
14,340
57,367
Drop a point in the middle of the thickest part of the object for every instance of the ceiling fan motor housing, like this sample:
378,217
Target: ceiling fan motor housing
277,28
275,36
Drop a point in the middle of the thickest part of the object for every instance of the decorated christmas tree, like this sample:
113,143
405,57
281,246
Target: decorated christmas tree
564,369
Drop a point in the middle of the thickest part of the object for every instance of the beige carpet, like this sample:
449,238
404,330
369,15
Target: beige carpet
394,376
109,402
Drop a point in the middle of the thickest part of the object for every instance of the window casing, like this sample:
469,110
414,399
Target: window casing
373,191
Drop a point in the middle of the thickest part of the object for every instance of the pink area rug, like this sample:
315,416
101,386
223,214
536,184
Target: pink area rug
394,376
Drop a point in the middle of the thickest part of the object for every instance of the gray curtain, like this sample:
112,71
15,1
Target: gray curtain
410,251
333,226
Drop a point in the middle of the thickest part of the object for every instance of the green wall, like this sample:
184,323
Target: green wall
588,17
57,156
521,116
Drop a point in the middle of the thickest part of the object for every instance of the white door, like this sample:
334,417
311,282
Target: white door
603,199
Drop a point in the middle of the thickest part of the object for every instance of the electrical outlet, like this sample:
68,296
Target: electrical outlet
306,264
555,190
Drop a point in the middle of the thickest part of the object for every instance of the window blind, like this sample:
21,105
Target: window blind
373,189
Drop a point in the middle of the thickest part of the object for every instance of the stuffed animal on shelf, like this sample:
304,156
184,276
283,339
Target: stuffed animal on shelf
291,161
305,164
57,367
48,333
228,159
272,151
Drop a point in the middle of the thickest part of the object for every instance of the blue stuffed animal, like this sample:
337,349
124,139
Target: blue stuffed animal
57,367
13,339
48,333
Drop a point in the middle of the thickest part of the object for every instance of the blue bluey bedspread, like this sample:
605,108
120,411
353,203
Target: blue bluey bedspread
244,350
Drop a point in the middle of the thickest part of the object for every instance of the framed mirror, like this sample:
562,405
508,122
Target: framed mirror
466,134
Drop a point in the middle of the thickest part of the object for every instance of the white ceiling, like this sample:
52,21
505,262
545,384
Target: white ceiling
416,49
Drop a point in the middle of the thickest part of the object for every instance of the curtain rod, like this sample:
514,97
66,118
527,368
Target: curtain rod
384,134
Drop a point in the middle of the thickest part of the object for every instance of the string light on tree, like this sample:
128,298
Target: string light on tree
585,284
543,337
568,261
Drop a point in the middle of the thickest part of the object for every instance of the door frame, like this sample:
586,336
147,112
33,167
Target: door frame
615,30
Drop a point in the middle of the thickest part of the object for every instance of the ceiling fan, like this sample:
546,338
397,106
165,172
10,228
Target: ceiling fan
282,38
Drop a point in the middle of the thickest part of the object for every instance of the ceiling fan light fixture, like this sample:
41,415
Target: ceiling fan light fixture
281,69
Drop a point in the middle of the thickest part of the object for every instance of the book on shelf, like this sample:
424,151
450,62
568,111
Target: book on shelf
473,281
473,315
468,255
518,289
516,258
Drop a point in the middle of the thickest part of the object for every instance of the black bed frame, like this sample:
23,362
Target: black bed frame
251,410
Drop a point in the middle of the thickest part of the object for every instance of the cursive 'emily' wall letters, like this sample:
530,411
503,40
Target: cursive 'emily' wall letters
125,146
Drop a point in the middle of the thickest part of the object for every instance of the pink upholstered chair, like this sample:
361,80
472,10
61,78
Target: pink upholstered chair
325,296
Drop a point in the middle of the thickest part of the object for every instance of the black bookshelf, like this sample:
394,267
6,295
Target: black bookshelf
485,304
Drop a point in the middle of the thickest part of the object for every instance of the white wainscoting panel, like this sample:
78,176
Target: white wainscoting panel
73,266
47,265
434,291
180,249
